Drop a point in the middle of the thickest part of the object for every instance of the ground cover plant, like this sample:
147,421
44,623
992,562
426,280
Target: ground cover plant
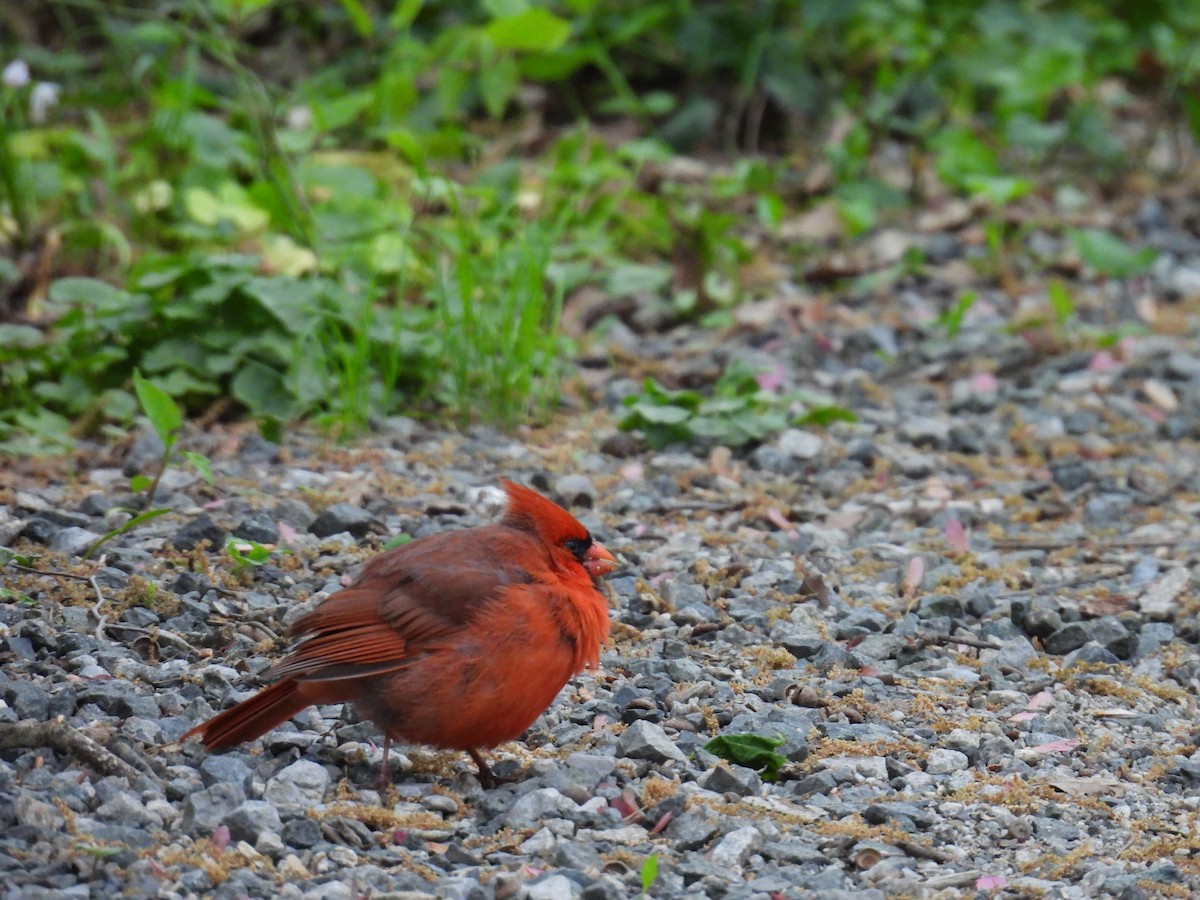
338,212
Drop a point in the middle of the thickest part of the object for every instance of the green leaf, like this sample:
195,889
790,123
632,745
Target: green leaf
533,30
359,18
1110,256
293,302
201,464
404,14
755,751
262,390
88,292
498,80
1061,301
398,540
649,872
661,415
163,412
952,318
128,526
825,415
139,483
245,552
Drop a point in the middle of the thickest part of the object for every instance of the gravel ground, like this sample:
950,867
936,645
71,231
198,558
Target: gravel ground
970,617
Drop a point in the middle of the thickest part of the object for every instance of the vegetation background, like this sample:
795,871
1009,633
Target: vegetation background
338,211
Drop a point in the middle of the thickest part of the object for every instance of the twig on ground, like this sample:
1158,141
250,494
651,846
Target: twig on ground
59,736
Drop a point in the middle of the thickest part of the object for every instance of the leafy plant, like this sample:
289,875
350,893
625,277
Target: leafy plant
166,418
1108,255
951,320
738,412
754,751
245,553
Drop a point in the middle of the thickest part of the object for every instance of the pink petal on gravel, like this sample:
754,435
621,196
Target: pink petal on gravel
662,823
984,382
990,882
220,838
913,576
1103,361
772,379
286,532
956,536
1022,716
1063,746
627,806
778,519
1040,700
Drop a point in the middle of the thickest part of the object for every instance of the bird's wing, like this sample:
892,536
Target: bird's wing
408,601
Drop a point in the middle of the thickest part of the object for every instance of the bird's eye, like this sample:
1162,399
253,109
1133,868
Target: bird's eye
579,546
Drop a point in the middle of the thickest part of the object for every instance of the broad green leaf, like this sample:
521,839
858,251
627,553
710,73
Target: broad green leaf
533,30
88,292
498,80
755,751
661,415
262,390
293,302
1110,256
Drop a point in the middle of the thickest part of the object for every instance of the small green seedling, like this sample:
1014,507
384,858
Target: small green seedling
649,872
246,553
951,320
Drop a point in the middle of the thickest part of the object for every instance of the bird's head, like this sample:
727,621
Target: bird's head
557,528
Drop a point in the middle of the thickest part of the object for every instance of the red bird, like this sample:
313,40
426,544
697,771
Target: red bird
457,640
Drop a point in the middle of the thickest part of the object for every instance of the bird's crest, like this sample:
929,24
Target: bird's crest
530,511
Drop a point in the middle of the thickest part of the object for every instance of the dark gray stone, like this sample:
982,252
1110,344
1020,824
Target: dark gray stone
200,529
343,518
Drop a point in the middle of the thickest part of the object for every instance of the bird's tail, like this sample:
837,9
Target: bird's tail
251,718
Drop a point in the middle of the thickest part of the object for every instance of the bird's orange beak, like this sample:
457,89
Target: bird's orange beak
599,561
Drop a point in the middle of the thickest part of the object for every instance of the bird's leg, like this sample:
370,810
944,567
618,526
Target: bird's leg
384,774
486,778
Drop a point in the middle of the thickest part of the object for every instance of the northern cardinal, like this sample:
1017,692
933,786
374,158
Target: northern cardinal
457,640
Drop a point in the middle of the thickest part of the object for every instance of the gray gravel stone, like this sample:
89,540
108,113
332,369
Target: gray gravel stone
943,761
799,444
731,779
204,810
645,740
537,805
732,851
302,784
73,541
251,819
